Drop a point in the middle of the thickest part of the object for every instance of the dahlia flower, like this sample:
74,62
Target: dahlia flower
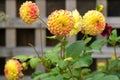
77,23
107,30
29,12
93,22
13,70
60,22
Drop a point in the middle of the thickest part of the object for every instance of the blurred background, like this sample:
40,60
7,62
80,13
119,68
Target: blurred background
15,34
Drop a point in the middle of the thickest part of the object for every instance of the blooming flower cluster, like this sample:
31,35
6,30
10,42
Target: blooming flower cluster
64,22
93,23
60,23
13,70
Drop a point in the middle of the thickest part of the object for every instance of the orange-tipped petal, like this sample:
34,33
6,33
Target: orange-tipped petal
93,22
29,12
12,69
60,22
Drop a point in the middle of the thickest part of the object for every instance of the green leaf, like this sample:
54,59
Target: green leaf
43,76
113,37
76,72
34,62
85,71
110,77
114,33
55,70
22,58
51,55
74,49
57,48
59,77
87,40
50,78
62,64
84,61
98,44
112,64
55,37
96,76
72,79
36,73
118,39
66,75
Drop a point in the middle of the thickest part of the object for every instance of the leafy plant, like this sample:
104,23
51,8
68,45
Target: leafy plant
69,61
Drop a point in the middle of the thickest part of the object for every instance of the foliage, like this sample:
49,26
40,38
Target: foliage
75,63
72,61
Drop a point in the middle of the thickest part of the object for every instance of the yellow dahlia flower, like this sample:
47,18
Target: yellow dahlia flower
13,70
60,22
93,22
29,12
77,23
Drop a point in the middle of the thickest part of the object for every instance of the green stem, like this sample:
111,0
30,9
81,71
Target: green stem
115,52
81,78
84,50
71,72
43,22
83,37
107,64
62,51
34,49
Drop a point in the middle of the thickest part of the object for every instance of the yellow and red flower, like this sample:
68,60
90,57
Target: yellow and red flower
93,22
13,70
77,23
29,12
60,22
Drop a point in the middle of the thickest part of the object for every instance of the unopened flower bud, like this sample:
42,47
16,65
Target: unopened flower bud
21,75
24,66
68,59
99,8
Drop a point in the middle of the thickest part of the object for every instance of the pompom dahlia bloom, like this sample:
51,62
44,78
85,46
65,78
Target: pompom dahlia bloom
60,22
13,70
93,22
77,23
29,12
